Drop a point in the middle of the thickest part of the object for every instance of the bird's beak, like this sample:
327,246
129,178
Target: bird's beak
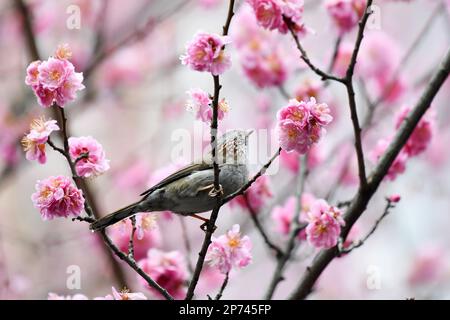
249,132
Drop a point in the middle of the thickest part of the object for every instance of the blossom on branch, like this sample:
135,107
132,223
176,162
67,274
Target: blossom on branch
345,13
34,142
55,79
89,156
257,195
205,53
56,197
229,250
200,104
301,124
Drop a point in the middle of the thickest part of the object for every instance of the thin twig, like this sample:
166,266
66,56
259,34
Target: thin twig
389,205
295,229
254,217
222,288
131,242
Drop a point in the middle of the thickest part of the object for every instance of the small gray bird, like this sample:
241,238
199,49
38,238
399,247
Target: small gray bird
191,189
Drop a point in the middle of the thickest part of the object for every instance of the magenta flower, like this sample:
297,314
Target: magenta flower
168,269
301,124
270,14
324,225
229,250
205,53
257,195
57,197
34,142
55,79
265,69
399,164
421,137
91,157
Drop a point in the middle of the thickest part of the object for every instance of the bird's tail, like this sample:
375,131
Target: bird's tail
114,217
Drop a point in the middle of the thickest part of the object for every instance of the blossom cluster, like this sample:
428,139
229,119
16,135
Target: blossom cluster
200,104
301,124
256,195
55,79
205,53
324,222
230,249
276,14
89,156
345,13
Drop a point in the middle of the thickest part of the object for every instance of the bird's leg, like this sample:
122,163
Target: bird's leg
205,223
212,191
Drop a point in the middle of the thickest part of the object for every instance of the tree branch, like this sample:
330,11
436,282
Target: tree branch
222,288
362,197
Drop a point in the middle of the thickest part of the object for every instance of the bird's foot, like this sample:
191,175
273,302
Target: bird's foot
214,192
205,227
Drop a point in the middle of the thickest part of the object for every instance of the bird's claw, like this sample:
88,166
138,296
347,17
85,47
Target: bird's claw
205,227
214,192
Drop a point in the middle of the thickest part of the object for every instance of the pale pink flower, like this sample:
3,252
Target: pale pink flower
345,13
32,73
125,294
53,72
324,225
34,142
229,250
200,104
421,137
91,157
147,235
343,58
78,296
257,195
301,124
168,269
399,164
67,91
264,69
209,4
56,196
63,52
205,53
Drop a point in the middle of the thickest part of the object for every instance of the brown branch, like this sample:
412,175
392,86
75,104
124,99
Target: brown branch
222,288
254,216
304,56
210,226
363,196
295,229
389,205
131,242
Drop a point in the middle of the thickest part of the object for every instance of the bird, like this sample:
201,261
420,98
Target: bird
191,190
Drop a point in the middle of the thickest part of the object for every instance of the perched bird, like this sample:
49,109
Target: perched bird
191,189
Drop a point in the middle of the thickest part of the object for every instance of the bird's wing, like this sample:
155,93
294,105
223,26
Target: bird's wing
178,175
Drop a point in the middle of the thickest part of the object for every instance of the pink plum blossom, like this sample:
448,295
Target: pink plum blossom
56,196
399,164
430,264
205,53
395,198
168,269
55,79
125,294
90,155
301,124
271,14
147,235
345,13
421,137
34,142
324,225
257,195
200,104
290,160
228,250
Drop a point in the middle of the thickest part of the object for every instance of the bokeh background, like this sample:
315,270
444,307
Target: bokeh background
133,103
